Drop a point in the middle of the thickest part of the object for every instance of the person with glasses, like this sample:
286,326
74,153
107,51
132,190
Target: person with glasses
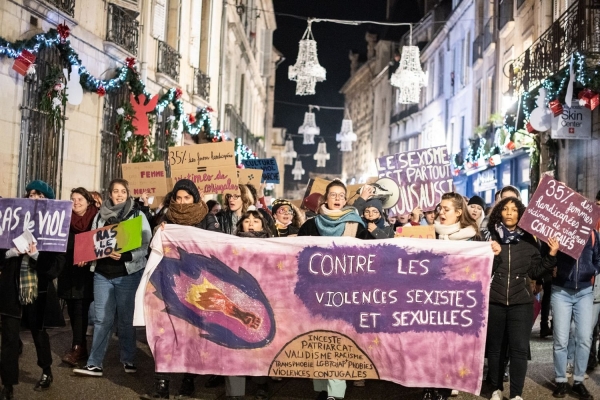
235,205
287,219
333,219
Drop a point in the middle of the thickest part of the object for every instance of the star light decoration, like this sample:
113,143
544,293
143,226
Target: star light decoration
309,128
321,155
409,77
346,135
288,152
298,171
307,71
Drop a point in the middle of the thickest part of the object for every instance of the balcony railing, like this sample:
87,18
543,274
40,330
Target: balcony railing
477,48
201,84
488,34
408,111
168,60
576,30
123,29
506,13
67,6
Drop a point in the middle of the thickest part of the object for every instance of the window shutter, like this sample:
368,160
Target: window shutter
267,53
160,11
195,22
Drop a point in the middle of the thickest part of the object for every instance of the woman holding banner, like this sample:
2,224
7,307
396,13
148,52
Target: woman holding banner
511,300
76,282
334,218
116,279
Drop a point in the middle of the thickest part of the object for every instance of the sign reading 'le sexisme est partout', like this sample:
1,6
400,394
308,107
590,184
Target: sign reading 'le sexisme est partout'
423,176
48,221
210,166
556,210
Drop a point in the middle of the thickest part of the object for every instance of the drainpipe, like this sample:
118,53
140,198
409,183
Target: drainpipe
220,105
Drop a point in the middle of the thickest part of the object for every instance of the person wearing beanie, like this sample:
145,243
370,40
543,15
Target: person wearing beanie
287,219
40,188
475,207
373,216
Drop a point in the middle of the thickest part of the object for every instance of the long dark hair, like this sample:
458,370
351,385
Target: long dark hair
496,214
256,214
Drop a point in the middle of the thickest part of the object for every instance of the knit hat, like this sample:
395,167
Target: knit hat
375,203
312,202
42,187
478,201
279,203
188,186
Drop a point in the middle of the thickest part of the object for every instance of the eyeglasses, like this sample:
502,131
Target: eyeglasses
233,196
285,212
340,196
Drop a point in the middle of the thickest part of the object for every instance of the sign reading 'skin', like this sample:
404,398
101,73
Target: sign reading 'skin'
575,122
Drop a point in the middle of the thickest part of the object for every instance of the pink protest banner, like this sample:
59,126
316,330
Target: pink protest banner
411,311
555,210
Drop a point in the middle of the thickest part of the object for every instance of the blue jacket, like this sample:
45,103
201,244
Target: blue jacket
577,274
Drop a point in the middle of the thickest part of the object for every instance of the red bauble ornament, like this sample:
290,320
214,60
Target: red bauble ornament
589,98
63,31
530,128
178,93
556,107
100,91
214,139
209,109
456,172
130,62
191,118
510,145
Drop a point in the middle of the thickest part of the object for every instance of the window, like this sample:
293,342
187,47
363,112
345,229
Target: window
431,81
195,32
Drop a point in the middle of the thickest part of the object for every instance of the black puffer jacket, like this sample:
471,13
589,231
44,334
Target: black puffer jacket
514,268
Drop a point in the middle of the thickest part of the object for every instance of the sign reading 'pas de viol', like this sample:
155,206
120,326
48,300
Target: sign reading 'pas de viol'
411,311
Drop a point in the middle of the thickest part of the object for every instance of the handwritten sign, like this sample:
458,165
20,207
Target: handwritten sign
48,221
416,232
335,307
423,176
268,166
101,243
201,155
556,210
148,177
249,176
211,180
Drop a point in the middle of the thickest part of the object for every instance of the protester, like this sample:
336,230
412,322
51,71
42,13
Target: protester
116,279
259,202
334,219
186,208
213,206
511,300
476,205
429,218
573,299
509,191
253,225
377,227
235,205
28,298
287,219
76,282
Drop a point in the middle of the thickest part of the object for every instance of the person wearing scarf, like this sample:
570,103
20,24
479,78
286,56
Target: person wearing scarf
334,219
287,219
28,299
374,219
76,282
116,279
511,298
187,208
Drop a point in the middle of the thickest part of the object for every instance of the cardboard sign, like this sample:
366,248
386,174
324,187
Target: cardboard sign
148,177
556,210
48,221
316,185
249,176
423,176
268,166
575,122
416,232
201,155
211,180
101,243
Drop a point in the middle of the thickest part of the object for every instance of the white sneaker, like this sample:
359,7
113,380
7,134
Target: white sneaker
454,393
497,395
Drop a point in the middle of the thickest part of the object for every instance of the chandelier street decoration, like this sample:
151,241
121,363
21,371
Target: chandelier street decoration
321,155
346,135
298,171
288,152
409,77
309,128
307,71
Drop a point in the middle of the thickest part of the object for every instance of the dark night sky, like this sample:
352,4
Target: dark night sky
334,41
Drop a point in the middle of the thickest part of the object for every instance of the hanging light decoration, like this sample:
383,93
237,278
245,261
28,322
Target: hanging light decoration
409,77
298,171
309,128
288,152
307,71
346,135
321,155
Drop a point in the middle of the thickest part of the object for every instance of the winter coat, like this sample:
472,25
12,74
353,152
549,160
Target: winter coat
577,274
291,230
309,228
75,282
138,255
514,268
209,223
225,219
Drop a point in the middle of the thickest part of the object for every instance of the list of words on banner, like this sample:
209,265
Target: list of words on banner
556,210
423,176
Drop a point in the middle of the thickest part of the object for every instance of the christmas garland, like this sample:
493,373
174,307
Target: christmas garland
53,97
193,123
